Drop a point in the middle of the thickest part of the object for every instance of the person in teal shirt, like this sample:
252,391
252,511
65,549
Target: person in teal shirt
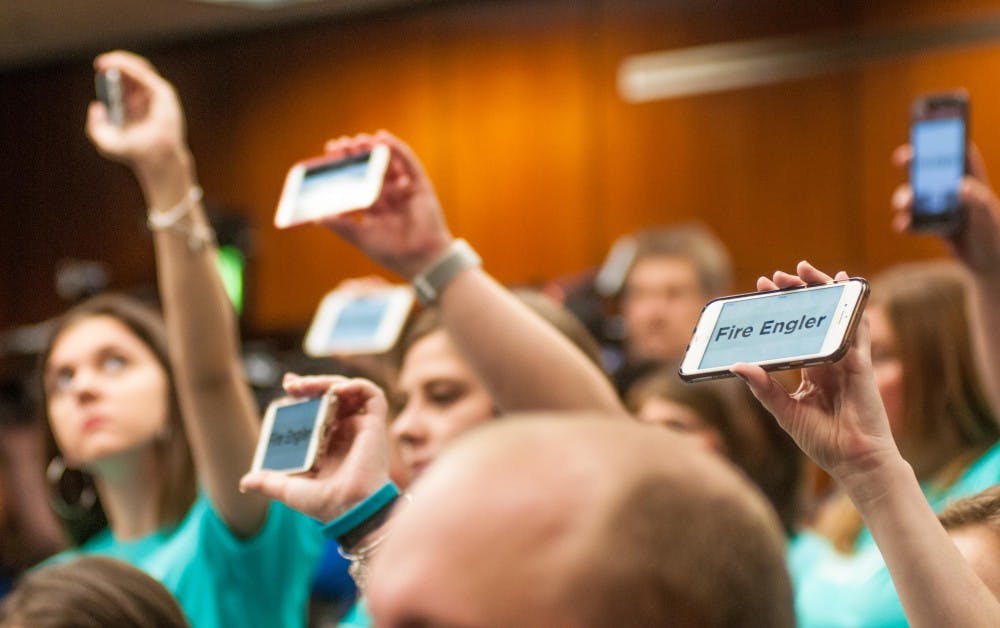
838,418
218,578
927,376
156,411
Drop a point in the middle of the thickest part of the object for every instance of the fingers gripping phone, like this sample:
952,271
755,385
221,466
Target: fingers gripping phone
779,329
293,432
108,85
324,186
938,136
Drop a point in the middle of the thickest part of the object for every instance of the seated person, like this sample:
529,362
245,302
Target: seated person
631,527
974,526
157,409
675,271
722,416
476,352
90,591
838,418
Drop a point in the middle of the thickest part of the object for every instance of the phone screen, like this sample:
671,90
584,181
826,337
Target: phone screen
319,183
288,446
359,321
938,163
775,326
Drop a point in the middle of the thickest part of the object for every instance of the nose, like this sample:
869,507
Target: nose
409,429
85,384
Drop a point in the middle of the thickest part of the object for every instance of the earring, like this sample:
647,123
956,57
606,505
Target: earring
72,493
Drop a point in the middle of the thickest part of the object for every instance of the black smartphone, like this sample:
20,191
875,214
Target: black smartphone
939,131
108,85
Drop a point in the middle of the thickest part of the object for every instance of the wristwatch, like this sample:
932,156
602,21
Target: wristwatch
430,283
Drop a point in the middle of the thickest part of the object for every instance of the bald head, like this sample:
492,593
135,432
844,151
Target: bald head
581,522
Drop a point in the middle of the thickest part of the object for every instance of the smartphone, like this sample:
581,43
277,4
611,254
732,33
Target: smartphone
611,276
938,135
108,85
292,432
779,329
320,187
348,322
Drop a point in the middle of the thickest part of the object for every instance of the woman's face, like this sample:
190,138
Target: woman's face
888,367
683,420
441,398
107,393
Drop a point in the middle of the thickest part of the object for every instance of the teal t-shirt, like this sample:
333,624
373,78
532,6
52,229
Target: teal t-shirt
219,579
357,617
848,590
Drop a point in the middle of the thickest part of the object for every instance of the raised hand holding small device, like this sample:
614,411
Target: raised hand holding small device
325,186
938,137
352,461
777,329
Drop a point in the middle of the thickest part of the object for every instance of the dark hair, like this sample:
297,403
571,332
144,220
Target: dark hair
752,439
91,592
179,489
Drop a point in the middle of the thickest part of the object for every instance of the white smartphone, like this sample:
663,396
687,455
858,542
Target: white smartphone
292,433
779,329
321,187
349,322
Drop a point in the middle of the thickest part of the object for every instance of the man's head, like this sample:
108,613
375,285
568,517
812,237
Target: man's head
581,522
675,271
974,526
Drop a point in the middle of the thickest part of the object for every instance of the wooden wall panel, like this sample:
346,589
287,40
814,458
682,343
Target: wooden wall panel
514,109
888,87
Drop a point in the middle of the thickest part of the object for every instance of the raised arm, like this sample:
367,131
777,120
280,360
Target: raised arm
836,416
977,246
526,363
220,415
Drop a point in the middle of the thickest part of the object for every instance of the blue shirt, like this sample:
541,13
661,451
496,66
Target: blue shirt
845,590
220,579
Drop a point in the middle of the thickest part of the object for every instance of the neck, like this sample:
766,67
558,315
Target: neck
129,487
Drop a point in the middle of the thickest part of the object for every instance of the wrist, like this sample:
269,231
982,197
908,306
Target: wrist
870,480
434,278
165,177
364,517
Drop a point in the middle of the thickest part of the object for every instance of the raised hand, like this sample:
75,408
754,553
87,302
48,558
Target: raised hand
404,230
836,416
977,244
154,129
354,461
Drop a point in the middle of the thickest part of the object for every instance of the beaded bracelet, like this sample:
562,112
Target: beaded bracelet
199,236
166,219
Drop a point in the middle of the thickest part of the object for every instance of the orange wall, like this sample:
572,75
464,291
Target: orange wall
513,108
